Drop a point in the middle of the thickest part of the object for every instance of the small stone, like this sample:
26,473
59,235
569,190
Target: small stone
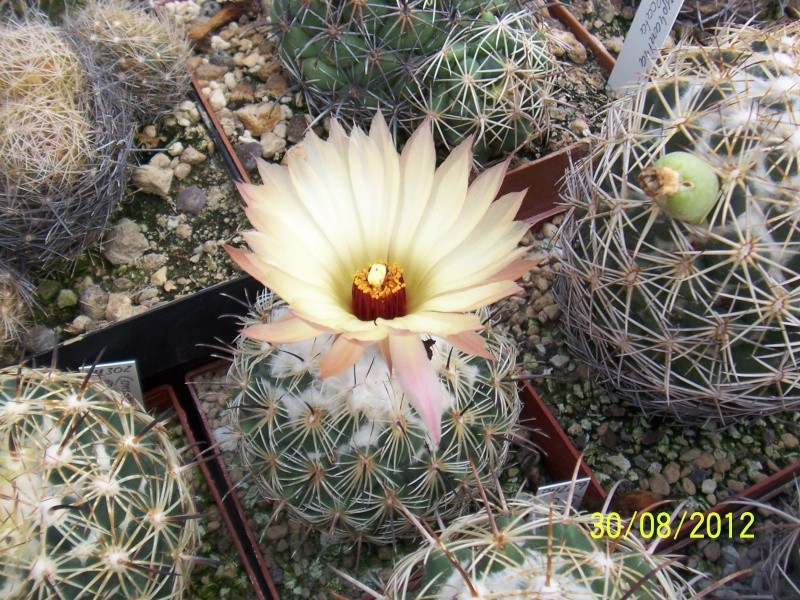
659,485
671,472
124,243
277,531
789,440
559,361
619,461
192,199
159,277
66,298
93,300
691,454
153,179
651,437
271,144
182,170
688,486
39,339
193,156
183,231
616,410
609,439
247,152
160,161
259,118
705,461
209,72
80,324
737,487
709,486
119,307
296,130
217,99
712,551
175,149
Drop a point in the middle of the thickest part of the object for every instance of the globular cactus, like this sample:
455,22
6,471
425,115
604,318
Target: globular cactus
493,79
93,500
525,548
347,454
64,142
145,52
476,67
16,302
685,309
37,59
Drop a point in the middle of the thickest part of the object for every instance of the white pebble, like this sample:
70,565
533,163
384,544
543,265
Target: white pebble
217,100
182,170
175,149
217,43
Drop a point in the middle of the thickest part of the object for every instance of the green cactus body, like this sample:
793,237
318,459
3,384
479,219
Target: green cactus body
532,550
477,68
347,454
695,315
146,53
93,503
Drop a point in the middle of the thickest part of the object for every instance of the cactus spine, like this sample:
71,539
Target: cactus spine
475,67
93,499
686,311
526,548
145,52
347,454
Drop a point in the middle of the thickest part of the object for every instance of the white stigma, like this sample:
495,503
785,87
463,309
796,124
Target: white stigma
376,275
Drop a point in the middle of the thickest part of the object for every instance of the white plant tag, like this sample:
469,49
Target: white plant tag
651,25
557,493
122,376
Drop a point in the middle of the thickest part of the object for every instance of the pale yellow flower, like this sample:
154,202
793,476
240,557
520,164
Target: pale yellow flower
379,248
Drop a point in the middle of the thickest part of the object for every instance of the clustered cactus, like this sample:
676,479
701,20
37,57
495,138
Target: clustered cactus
68,97
525,548
475,67
93,499
63,145
686,309
145,52
347,454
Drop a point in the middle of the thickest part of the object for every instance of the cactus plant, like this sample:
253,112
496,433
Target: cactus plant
684,310
146,53
526,548
64,142
476,67
16,301
348,454
93,500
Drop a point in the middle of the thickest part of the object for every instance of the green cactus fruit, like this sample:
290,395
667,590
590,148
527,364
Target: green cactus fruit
146,53
694,314
477,67
93,500
526,549
347,454
683,185
64,141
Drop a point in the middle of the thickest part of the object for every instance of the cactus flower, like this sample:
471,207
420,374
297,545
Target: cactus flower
382,248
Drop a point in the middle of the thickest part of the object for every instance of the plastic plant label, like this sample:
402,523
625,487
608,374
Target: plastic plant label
651,24
557,493
122,376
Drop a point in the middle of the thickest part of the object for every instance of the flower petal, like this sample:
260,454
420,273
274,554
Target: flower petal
286,330
471,298
434,323
342,355
470,342
416,376
242,259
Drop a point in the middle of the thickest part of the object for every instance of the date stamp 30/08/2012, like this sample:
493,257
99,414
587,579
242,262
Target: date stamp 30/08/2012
664,525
